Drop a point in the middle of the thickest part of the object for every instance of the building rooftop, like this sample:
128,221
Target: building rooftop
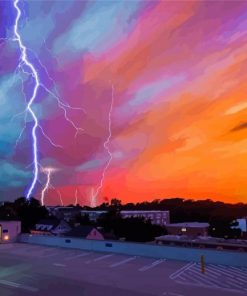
189,224
201,239
52,222
142,211
80,231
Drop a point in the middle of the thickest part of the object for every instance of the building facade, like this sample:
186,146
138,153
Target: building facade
9,231
86,232
51,227
92,215
66,213
156,217
192,229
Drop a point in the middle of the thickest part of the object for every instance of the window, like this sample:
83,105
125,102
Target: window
5,231
183,229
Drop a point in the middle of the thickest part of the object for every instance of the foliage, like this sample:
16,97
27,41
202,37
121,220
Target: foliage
29,212
132,229
218,214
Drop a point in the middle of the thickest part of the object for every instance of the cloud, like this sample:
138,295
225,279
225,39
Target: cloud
97,29
237,108
13,176
239,127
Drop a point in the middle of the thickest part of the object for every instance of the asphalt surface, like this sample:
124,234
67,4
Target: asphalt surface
48,271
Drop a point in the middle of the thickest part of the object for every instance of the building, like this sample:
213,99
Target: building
192,229
156,217
92,215
9,231
66,213
86,232
51,227
203,242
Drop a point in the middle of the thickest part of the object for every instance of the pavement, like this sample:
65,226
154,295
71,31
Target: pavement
35,270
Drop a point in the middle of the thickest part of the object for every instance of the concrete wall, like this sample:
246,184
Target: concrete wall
136,249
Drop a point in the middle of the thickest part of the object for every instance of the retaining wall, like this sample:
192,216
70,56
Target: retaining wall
139,249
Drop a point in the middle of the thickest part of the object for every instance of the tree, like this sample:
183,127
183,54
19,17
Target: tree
116,203
8,212
132,229
29,212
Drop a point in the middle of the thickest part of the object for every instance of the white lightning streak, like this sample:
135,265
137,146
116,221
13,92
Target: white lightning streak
106,143
76,197
47,184
60,196
29,69
34,74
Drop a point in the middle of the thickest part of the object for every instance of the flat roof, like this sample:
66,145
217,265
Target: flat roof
189,224
143,211
9,221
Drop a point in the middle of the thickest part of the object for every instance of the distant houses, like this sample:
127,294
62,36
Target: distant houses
191,229
66,213
56,227
51,227
156,217
86,232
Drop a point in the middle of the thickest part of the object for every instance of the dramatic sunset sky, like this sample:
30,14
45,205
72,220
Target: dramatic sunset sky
168,78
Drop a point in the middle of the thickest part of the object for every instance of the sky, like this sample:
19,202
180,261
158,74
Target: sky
137,100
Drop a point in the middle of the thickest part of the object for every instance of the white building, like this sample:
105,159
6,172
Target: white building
92,215
156,217
9,231
51,227
65,213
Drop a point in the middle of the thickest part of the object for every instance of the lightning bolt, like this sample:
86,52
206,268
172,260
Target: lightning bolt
48,172
60,196
29,69
25,61
76,197
107,149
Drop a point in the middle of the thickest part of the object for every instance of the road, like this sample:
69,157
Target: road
48,271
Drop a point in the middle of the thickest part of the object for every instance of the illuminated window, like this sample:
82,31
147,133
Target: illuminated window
6,237
183,229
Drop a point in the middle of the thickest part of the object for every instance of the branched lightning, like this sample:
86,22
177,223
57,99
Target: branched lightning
107,149
25,61
49,171
28,68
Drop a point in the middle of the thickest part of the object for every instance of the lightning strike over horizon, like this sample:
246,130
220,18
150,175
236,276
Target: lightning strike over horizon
107,149
25,61
48,172
76,197
26,67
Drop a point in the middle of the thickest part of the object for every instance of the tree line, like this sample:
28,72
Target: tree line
219,215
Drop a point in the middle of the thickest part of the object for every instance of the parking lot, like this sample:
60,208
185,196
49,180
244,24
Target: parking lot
27,269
